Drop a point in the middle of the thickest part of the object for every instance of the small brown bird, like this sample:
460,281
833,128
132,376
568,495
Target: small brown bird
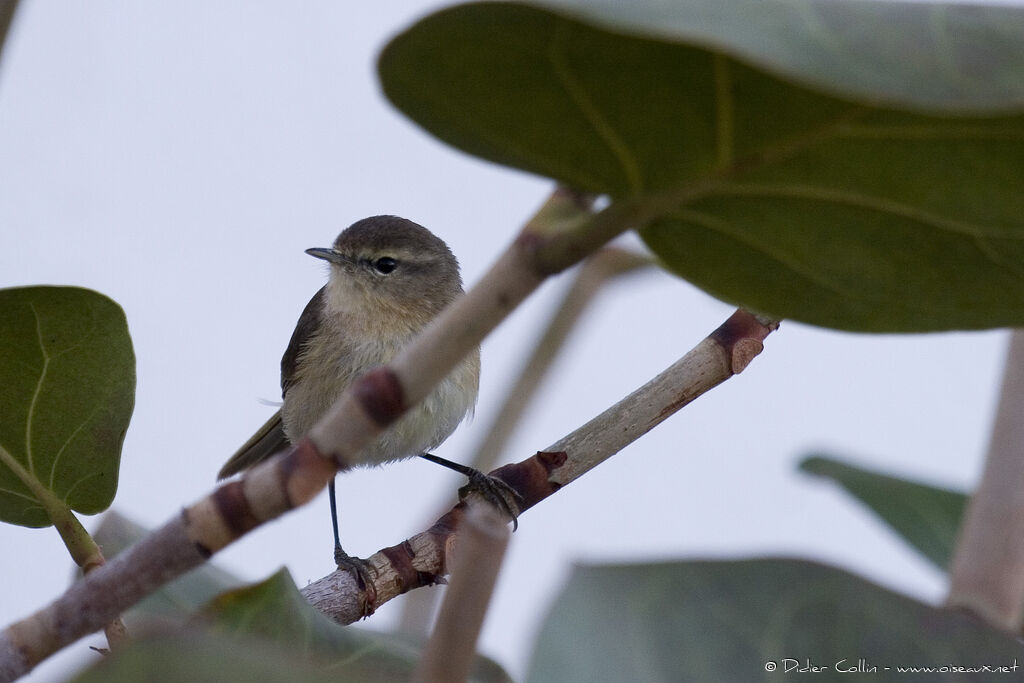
388,278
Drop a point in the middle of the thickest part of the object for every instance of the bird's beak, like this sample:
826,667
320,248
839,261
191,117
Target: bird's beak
329,255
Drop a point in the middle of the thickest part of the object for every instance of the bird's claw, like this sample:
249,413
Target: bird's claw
360,570
496,492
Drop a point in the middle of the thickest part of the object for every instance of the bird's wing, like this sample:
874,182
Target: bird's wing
308,323
266,442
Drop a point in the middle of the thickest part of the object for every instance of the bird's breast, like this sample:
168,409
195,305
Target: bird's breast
325,370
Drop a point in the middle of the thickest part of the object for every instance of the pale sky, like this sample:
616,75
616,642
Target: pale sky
180,156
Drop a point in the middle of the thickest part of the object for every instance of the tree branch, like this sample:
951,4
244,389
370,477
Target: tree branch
563,232
420,560
987,571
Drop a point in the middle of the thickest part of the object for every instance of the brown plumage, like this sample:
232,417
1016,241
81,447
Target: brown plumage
389,277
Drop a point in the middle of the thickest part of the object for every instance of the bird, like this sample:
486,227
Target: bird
388,278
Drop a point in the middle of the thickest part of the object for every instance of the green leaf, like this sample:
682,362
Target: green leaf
275,611
260,632
268,632
793,199
198,656
67,388
925,516
174,602
725,621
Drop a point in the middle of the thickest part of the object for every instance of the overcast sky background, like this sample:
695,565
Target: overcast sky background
179,157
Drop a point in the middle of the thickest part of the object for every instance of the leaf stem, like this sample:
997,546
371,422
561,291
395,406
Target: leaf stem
79,543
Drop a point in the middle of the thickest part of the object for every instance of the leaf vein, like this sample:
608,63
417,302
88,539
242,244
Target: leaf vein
19,494
579,96
37,391
71,489
725,111
726,228
63,448
858,200
976,233
930,132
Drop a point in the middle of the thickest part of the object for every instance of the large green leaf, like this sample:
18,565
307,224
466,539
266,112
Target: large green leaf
925,516
751,620
200,656
802,201
276,612
268,632
67,388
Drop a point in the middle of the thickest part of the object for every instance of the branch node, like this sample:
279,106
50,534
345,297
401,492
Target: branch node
380,394
744,351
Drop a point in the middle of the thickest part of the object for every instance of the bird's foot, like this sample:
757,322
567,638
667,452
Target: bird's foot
360,570
492,489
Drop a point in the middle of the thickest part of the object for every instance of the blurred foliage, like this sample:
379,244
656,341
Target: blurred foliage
268,632
734,621
926,517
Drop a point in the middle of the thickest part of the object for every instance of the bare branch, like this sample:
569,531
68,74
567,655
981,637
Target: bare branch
987,571
420,560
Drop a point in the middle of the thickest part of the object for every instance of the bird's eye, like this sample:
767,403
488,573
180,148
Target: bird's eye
385,264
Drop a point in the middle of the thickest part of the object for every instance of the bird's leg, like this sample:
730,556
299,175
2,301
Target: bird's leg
334,517
355,566
494,490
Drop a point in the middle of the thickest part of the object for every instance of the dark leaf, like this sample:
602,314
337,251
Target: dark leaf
275,611
735,621
794,199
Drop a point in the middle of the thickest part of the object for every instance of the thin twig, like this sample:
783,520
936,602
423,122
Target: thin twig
421,560
987,570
